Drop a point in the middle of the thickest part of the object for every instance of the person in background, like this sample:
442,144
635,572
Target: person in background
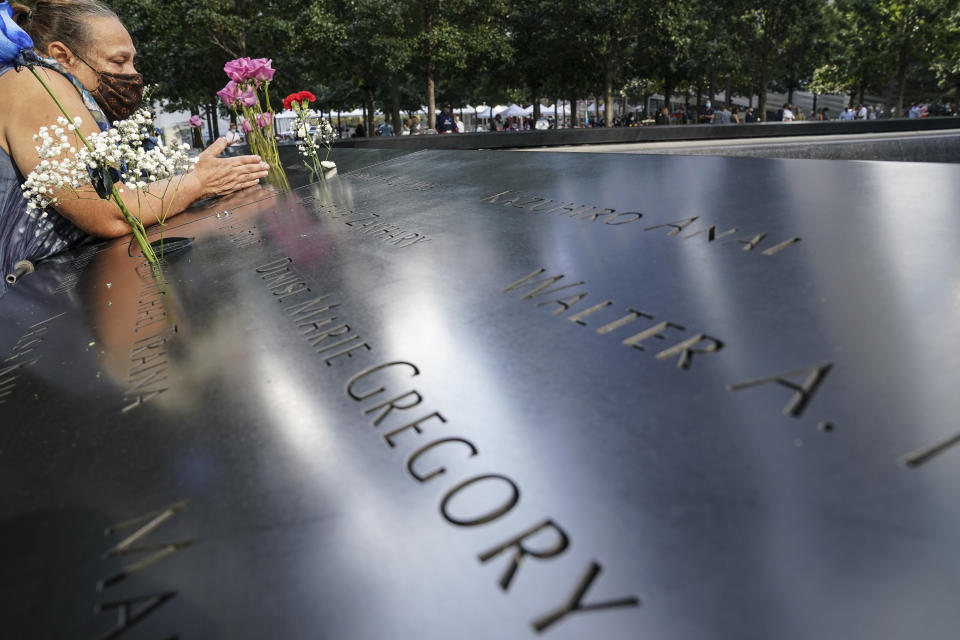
751,115
542,123
724,114
445,122
233,136
707,114
385,129
413,124
88,61
787,115
460,126
359,132
735,114
663,116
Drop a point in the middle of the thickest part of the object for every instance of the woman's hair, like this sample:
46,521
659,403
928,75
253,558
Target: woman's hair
61,20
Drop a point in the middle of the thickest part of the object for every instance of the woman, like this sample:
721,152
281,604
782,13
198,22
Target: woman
89,64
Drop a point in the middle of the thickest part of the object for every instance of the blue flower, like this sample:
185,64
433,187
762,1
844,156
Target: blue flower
13,39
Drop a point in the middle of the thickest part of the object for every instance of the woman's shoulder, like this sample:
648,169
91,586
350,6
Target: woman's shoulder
22,91
25,100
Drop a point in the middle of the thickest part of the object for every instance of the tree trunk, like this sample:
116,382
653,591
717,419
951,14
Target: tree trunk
208,114
573,112
790,90
728,90
535,94
667,93
608,94
395,102
556,120
901,89
196,138
368,100
762,94
216,120
431,98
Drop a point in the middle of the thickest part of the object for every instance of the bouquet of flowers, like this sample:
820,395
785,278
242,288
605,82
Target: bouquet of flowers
113,161
310,141
249,81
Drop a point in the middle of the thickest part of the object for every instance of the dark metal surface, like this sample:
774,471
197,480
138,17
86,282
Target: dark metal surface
197,439
912,147
610,135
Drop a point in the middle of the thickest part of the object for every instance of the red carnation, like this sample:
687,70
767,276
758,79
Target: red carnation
300,96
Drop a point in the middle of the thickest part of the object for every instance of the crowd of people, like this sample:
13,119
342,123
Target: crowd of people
448,122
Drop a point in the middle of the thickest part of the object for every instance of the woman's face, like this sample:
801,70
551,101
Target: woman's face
112,52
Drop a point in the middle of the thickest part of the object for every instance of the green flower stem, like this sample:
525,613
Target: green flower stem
301,110
139,232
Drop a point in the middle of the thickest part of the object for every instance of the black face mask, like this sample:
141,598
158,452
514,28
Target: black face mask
117,94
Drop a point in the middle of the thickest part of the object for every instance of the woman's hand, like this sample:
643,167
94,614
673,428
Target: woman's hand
220,176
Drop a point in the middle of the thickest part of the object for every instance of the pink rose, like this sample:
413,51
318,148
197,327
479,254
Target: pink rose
260,69
195,121
245,127
230,94
238,70
249,97
264,119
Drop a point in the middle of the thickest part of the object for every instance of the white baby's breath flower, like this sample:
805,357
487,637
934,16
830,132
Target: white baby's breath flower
63,167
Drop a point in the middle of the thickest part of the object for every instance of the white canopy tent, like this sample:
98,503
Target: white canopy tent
514,110
485,112
544,110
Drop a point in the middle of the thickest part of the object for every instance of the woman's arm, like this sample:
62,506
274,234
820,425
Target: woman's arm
30,107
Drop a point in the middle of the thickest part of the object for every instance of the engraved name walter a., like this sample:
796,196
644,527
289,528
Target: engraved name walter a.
566,296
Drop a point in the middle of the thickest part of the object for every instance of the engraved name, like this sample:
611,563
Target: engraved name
544,290
385,406
593,213
147,373
19,357
397,184
314,316
316,319
70,280
129,610
568,296
369,224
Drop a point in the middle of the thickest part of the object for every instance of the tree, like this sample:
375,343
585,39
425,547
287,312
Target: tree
445,37
767,27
